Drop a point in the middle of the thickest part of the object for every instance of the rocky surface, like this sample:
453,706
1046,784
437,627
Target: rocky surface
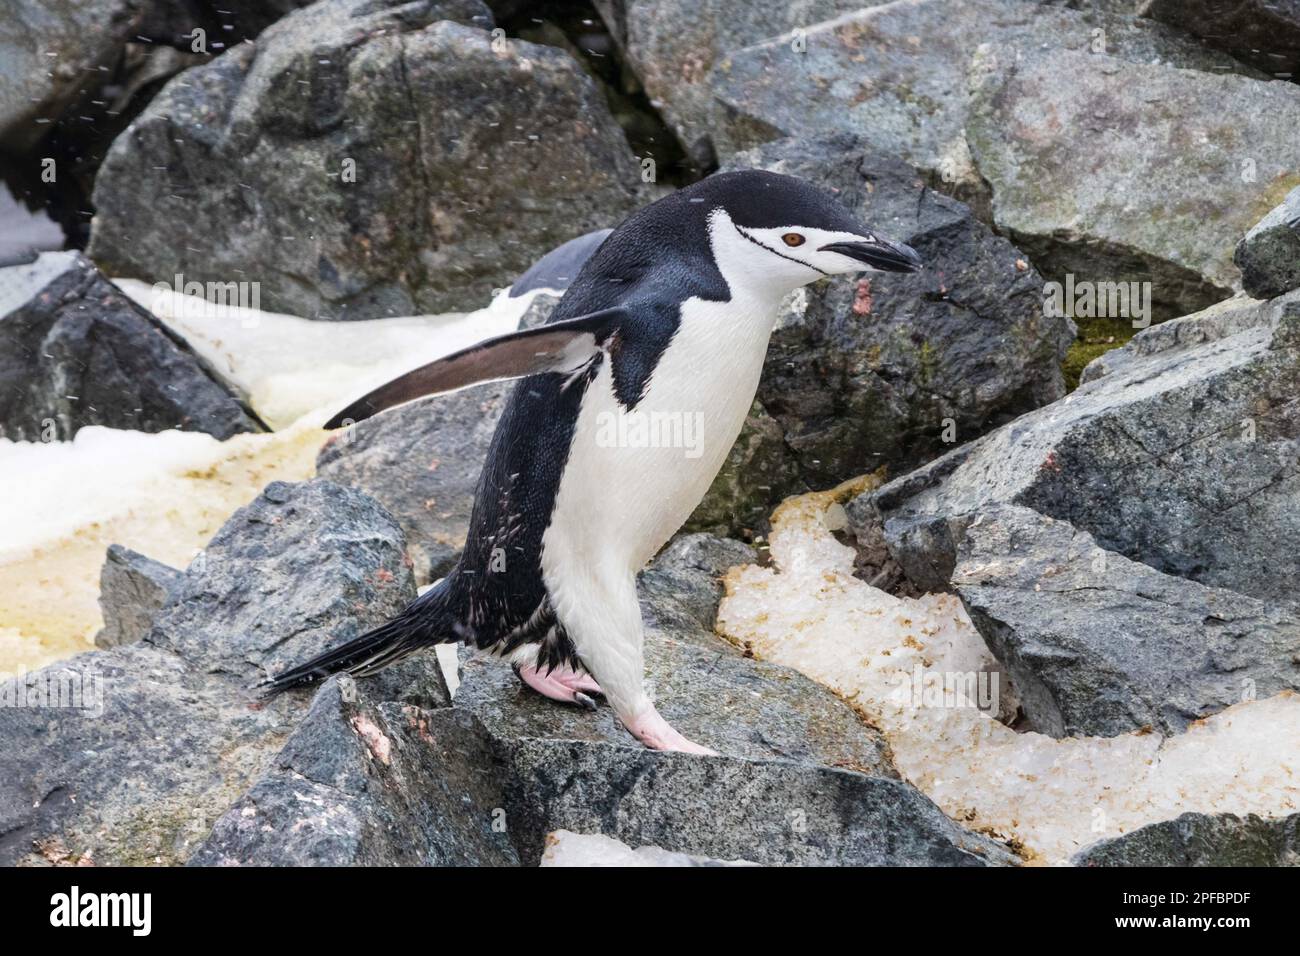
673,45
164,736
896,73
75,351
1151,130
1265,33
1098,645
364,159
49,51
1200,839
804,780
564,848
1269,255
132,588
893,372
1121,550
1178,451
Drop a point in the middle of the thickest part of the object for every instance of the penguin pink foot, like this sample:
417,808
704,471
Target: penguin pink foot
657,734
566,686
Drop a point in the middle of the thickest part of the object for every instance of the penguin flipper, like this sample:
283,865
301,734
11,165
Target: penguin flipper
559,347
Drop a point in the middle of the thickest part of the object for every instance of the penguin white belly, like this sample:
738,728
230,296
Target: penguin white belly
633,477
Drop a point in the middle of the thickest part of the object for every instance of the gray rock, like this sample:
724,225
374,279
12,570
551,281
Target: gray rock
470,158
360,784
671,46
74,351
1199,839
321,554
892,372
1269,255
1141,132
132,588
1265,33
164,737
421,461
896,74
1098,645
50,50
687,574
1179,451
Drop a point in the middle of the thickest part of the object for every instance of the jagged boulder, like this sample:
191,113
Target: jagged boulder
132,588
1104,192
75,351
1269,255
128,755
1098,645
364,159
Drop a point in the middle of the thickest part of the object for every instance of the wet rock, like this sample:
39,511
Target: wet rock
893,371
1151,130
1264,33
1201,839
1098,645
132,588
74,351
896,74
129,755
1269,255
1179,451
364,159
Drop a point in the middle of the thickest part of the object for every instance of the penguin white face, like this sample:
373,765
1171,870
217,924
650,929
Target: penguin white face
785,257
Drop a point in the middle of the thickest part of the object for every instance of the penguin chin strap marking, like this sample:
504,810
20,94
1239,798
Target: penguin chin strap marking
762,245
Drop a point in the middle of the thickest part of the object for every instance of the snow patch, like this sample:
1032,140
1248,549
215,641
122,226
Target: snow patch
1051,796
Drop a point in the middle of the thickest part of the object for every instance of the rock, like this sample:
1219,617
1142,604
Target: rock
592,849
1261,32
364,159
672,45
321,553
75,351
1269,255
687,575
896,74
1151,130
132,588
151,742
1179,451
364,784
49,50
422,461
1098,645
1200,839
892,372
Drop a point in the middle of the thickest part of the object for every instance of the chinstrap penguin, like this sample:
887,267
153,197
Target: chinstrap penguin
670,314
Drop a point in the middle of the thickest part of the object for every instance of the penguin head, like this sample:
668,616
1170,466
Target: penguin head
781,232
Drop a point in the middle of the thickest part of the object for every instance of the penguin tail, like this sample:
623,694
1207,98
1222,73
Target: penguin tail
423,623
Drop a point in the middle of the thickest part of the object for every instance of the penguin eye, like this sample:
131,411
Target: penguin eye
792,239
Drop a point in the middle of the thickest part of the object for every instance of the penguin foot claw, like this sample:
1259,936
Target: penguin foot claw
563,684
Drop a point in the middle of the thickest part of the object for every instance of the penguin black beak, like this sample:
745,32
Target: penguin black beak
879,254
